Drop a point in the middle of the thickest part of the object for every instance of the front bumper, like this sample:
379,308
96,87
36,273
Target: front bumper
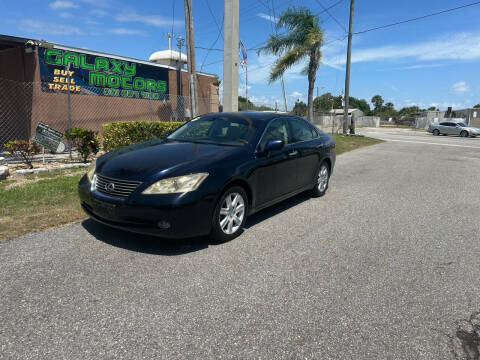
187,216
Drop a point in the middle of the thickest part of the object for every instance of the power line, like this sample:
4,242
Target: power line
417,18
328,13
207,48
331,7
215,42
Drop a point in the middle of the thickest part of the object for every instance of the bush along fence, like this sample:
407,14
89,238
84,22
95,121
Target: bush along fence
123,133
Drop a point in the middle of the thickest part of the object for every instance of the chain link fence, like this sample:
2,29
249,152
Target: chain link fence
23,105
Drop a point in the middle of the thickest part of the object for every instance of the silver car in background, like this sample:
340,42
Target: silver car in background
453,128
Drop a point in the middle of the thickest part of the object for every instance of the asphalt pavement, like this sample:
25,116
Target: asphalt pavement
385,266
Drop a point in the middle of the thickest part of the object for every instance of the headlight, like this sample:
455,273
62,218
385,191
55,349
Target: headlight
91,170
179,184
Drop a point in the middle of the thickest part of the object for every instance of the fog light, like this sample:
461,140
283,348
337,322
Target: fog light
162,224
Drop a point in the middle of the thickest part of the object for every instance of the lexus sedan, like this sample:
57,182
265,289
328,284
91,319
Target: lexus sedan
453,128
207,176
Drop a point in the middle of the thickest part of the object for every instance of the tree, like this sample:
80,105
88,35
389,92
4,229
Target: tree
323,103
406,111
360,104
433,108
300,108
477,106
242,105
303,40
377,102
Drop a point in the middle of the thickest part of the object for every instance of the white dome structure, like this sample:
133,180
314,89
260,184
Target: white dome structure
168,57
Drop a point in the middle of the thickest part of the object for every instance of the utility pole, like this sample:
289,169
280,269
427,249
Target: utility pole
191,56
180,100
347,75
230,56
284,96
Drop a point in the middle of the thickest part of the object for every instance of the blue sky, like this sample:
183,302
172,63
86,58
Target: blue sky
434,61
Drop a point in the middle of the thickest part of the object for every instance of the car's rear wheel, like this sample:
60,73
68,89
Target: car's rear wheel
323,176
436,132
230,214
464,133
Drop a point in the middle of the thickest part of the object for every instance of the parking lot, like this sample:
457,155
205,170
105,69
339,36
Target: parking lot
385,266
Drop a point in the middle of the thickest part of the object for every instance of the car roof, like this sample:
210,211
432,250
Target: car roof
253,115
256,116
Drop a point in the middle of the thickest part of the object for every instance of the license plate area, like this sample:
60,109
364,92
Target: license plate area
104,208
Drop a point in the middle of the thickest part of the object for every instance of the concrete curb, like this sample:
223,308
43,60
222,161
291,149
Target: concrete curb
54,168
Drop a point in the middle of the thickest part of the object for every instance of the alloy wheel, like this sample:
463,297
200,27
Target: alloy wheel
232,213
322,180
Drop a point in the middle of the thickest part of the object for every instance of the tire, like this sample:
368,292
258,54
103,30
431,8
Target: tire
464,133
436,132
321,180
224,225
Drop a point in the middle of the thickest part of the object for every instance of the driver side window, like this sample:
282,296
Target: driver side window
276,130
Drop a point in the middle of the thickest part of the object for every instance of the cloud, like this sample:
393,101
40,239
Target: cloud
259,70
40,27
460,86
100,3
152,20
271,101
296,94
460,46
123,31
421,66
271,18
98,12
63,4
65,15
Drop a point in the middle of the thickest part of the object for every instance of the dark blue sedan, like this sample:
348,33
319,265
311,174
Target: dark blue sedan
209,175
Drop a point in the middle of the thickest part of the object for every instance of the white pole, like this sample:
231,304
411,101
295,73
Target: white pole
230,56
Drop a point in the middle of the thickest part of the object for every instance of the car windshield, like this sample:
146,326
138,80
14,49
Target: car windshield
462,124
216,130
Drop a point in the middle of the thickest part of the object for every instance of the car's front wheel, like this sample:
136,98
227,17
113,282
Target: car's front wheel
464,133
323,176
436,132
230,214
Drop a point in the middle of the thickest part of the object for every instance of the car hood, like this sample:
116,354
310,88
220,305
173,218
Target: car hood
473,128
171,158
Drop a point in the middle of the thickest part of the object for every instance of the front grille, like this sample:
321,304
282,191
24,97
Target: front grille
115,187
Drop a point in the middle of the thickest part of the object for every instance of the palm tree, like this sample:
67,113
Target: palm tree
303,40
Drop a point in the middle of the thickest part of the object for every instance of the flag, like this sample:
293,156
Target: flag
243,53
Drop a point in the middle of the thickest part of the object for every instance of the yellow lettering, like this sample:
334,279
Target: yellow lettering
57,87
78,88
50,86
62,80
71,73
56,71
64,87
72,81
55,79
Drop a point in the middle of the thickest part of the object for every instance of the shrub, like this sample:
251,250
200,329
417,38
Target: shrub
124,133
24,148
84,141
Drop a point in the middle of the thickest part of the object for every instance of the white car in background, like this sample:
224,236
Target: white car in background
453,128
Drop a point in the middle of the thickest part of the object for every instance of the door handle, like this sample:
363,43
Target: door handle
293,153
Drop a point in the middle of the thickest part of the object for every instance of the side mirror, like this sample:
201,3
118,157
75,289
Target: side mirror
168,133
273,145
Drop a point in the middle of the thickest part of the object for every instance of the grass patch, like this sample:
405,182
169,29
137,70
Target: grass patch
349,143
40,203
